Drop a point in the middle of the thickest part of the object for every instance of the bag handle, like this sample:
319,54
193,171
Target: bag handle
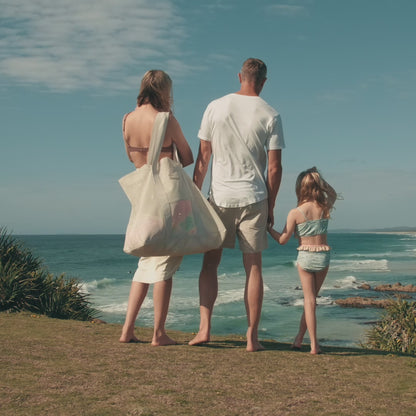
158,136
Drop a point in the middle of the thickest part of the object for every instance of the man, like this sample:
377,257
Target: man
244,135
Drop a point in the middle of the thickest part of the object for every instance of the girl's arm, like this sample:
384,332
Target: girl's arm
284,236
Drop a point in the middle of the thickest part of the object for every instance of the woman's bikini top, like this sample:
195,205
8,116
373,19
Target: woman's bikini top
166,149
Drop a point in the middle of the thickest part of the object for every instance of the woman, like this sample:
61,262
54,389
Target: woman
154,97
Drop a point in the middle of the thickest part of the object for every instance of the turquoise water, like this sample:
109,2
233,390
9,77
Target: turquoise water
106,272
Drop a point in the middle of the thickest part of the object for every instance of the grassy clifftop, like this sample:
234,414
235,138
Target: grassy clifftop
63,367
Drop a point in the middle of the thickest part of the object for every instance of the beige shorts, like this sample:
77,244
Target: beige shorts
248,224
156,269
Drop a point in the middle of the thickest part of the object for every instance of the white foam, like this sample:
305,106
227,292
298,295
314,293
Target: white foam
321,300
97,284
122,307
349,282
370,265
229,296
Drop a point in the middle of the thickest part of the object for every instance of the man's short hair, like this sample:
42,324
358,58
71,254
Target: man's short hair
254,70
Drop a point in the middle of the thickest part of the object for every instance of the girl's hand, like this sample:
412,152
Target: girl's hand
275,235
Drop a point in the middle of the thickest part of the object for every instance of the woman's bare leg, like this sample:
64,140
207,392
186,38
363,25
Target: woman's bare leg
138,292
161,298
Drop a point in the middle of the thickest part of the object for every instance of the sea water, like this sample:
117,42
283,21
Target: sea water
105,273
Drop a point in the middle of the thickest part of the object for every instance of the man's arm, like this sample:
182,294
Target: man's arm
274,178
202,162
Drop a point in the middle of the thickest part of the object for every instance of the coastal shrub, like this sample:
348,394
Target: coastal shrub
396,331
63,298
21,276
26,285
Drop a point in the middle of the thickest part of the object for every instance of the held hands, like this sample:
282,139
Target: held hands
275,235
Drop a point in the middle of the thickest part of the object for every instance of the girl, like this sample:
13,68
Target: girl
155,96
309,222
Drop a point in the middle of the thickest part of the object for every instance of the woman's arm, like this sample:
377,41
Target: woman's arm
125,137
184,151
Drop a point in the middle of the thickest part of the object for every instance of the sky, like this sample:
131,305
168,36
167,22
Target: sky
341,73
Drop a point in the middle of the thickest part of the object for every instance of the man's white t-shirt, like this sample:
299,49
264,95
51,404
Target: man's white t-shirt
241,129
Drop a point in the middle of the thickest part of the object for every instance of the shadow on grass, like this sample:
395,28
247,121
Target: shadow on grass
279,346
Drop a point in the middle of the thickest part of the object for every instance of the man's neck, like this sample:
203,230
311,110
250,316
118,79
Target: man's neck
248,89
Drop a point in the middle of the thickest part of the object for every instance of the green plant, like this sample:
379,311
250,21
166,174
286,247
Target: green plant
21,276
25,284
63,298
396,331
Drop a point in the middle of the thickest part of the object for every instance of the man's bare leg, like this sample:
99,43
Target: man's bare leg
253,298
208,291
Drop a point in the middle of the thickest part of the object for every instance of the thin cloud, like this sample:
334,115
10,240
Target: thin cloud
287,9
77,44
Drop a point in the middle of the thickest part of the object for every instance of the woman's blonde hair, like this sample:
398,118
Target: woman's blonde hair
311,186
155,89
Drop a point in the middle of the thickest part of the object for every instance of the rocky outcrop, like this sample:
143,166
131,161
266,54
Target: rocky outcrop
360,302
98,321
396,287
372,302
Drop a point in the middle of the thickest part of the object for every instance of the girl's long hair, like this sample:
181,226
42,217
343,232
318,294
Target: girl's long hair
155,89
311,186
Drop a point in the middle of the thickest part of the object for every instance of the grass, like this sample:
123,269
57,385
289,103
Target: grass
64,367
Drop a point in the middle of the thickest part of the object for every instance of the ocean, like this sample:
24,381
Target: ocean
105,272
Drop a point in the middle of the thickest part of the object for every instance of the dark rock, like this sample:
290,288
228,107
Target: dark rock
365,286
98,321
396,287
360,302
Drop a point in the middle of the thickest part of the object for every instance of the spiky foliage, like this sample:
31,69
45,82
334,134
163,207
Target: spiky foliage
21,276
26,284
63,298
396,332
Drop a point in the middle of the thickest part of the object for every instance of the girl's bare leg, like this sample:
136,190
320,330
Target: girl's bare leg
311,284
297,343
161,298
138,292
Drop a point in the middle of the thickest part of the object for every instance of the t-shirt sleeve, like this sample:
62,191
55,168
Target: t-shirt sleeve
276,140
205,129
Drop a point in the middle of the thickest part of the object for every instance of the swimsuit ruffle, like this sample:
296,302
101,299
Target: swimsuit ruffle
315,248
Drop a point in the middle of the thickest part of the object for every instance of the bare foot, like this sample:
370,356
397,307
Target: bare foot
199,339
162,340
127,339
297,343
316,352
254,346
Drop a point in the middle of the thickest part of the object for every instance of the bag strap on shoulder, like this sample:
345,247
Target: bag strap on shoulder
158,136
